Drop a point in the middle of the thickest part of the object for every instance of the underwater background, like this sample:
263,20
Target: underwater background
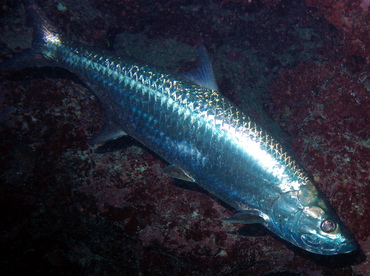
299,68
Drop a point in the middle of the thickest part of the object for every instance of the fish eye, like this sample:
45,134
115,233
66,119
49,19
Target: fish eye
328,226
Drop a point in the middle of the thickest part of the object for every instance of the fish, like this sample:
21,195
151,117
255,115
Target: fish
202,135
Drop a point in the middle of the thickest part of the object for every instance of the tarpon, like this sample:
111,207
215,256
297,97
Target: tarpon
202,135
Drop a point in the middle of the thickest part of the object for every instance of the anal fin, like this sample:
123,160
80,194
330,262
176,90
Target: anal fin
108,132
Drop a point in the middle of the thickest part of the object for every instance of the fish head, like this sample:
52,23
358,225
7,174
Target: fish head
321,231
305,219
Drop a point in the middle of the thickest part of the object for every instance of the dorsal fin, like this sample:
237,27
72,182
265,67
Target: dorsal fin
202,74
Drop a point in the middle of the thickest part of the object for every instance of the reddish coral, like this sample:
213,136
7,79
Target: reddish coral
352,18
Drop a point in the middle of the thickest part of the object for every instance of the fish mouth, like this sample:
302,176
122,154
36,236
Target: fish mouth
347,247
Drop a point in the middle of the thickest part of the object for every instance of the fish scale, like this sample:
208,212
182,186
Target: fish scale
204,138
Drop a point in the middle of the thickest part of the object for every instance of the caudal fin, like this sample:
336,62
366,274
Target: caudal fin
43,33
43,30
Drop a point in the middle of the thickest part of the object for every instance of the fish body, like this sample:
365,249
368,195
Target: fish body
204,138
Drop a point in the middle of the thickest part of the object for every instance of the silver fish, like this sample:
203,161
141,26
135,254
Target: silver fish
202,135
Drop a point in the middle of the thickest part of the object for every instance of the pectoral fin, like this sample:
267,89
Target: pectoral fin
178,173
246,217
